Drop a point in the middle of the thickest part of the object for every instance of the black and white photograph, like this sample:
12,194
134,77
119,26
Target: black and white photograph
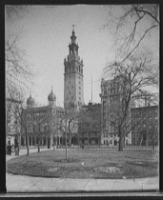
82,98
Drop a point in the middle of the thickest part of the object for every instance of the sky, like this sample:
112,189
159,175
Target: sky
45,36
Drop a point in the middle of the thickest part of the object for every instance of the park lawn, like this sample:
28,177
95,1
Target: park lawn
88,163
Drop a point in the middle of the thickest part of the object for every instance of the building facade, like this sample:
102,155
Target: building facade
111,104
42,123
90,125
73,78
145,125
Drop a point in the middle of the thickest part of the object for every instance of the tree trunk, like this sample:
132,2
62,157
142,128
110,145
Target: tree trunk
57,140
78,141
66,142
27,143
141,141
124,143
120,143
99,142
38,146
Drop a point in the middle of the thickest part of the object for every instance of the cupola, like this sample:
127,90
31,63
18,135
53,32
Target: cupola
30,102
51,98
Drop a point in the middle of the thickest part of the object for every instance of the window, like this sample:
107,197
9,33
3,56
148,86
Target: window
30,129
150,119
79,93
144,125
156,119
79,98
150,127
104,123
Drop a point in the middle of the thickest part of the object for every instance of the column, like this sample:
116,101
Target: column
47,141
51,141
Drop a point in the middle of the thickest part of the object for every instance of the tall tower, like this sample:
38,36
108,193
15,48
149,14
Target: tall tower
73,78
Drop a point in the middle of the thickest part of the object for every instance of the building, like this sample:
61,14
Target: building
52,116
90,124
144,116
144,125
42,123
111,104
73,78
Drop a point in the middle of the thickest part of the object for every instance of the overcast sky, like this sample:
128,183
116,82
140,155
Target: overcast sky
45,35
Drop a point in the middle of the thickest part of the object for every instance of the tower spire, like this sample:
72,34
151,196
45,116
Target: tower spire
73,27
91,90
73,37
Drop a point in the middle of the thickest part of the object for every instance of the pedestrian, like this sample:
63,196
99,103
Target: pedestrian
9,148
16,147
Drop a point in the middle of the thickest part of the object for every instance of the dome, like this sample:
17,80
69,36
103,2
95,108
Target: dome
51,96
30,100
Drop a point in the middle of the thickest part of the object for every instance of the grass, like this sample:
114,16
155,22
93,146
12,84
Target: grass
88,163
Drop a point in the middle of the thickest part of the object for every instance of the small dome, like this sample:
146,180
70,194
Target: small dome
30,100
51,96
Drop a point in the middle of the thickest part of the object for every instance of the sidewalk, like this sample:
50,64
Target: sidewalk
18,183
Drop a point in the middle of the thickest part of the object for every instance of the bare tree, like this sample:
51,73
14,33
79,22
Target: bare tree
17,69
18,72
39,121
72,129
134,76
21,117
133,24
68,121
